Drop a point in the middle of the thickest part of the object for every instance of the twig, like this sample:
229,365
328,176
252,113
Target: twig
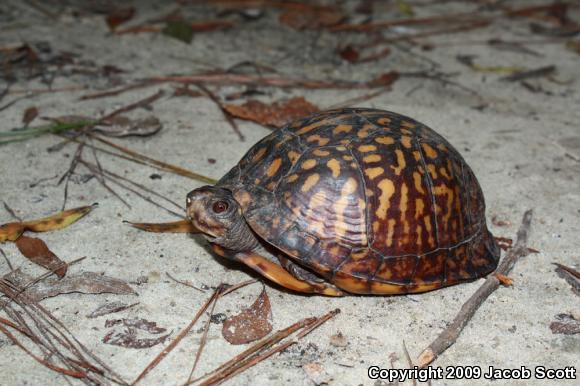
141,103
538,72
183,282
179,337
71,169
116,91
11,212
149,160
448,336
7,260
202,342
219,104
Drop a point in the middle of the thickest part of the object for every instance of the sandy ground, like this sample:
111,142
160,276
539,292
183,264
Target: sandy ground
524,147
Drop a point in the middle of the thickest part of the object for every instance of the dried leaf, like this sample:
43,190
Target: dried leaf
495,220
85,282
118,16
275,115
251,324
11,231
179,29
312,17
182,226
57,221
29,115
110,308
37,251
122,126
565,324
128,336
571,276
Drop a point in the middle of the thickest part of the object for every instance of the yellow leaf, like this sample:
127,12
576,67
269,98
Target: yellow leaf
10,231
181,226
59,220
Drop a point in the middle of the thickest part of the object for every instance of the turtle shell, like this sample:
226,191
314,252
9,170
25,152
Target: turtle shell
372,201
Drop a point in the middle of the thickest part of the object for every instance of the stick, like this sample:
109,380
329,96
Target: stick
448,336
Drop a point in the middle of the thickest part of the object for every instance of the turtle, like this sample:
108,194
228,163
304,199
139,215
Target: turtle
350,201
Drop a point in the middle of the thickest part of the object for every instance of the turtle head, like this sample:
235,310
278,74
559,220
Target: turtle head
216,214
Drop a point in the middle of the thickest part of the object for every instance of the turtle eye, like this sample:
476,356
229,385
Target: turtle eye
220,206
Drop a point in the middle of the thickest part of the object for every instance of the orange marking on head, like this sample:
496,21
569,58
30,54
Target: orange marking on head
274,166
406,141
385,140
334,167
387,190
321,153
372,173
310,182
308,164
372,158
367,148
341,129
317,138
429,151
401,163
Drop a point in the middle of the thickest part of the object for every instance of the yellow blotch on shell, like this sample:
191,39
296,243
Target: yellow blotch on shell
390,232
418,182
364,132
293,156
367,148
259,154
341,129
321,153
429,151
384,121
308,164
349,187
432,171
317,138
401,163
385,140
292,178
311,180
334,167
372,158
372,173
419,207
387,188
274,166
406,141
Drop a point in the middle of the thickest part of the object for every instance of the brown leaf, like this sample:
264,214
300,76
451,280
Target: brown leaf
37,251
276,114
338,340
565,324
251,324
29,115
118,16
128,336
317,373
122,126
312,17
11,231
110,308
85,282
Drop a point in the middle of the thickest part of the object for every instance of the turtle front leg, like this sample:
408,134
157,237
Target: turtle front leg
282,277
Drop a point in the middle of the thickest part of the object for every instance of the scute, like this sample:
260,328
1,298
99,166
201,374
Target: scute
373,201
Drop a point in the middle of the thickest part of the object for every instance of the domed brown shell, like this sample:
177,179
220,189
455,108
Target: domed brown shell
373,201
